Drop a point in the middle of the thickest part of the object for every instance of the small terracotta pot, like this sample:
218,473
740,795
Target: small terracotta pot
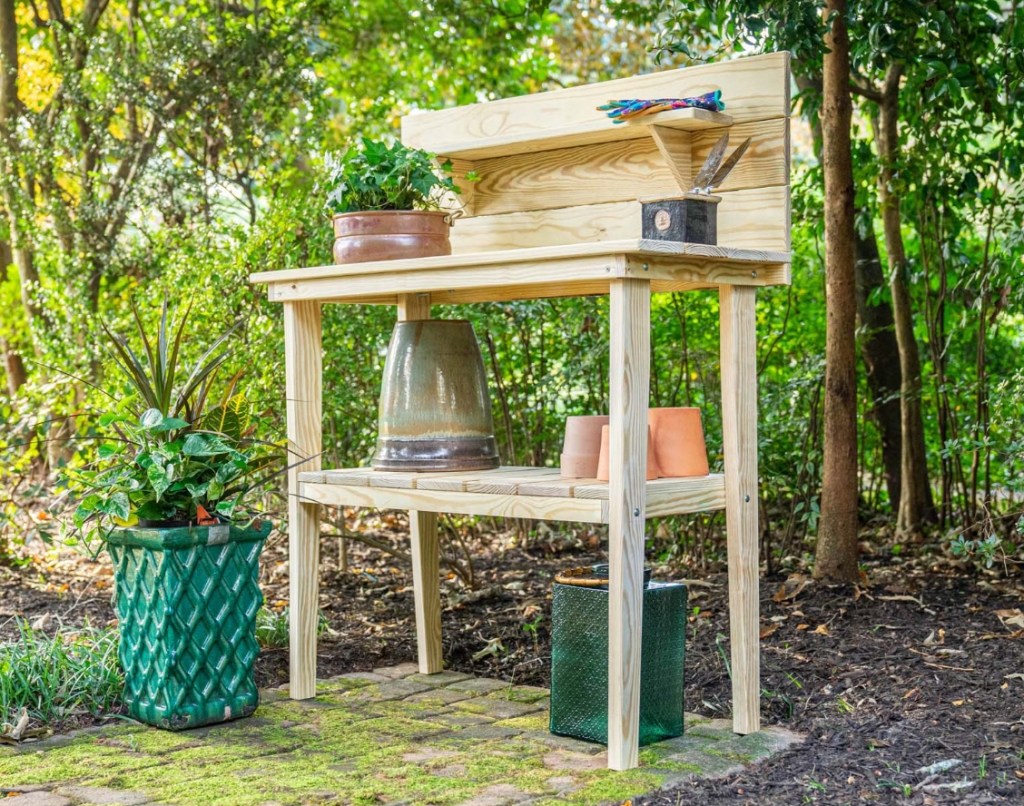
582,446
653,471
390,235
678,441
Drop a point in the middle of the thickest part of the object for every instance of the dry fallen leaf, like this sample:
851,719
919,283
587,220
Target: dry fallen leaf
802,626
790,589
934,639
769,630
958,703
1011,618
902,597
821,629
42,622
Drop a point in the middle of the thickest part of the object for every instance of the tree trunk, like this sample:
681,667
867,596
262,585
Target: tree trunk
9,113
14,367
916,504
880,353
836,556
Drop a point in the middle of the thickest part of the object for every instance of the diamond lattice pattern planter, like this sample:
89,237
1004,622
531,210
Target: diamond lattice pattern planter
186,599
579,662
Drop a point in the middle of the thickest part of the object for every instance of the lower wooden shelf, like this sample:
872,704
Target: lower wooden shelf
512,492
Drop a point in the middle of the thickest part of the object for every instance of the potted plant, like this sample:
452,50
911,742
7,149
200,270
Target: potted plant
385,201
166,497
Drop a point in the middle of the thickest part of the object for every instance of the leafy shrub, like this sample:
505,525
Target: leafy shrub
176,461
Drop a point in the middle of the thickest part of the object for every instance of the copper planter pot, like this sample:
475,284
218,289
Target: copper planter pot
435,412
390,235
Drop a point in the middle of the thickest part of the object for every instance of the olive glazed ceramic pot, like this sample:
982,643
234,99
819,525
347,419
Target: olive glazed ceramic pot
390,235
435,412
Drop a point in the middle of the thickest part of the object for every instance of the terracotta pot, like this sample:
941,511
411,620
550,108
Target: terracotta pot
390,235
582,446
678,441
435,412
603,474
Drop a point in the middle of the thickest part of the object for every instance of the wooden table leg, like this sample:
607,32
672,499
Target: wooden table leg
426,577
629,380
426,590
303,362
739,437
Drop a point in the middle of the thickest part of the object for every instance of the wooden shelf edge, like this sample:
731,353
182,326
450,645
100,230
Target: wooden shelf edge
538,493
623,249
599,130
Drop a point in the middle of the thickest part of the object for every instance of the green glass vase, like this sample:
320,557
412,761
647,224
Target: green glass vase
186,599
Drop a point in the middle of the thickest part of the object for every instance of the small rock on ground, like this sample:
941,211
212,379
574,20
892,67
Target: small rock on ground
102,796
38,797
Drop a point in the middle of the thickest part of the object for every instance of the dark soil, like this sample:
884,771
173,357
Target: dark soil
922,663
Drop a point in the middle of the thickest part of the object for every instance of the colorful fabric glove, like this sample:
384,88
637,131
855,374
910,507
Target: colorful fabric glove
623,110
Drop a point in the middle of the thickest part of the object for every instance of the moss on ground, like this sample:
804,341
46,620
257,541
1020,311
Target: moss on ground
349,746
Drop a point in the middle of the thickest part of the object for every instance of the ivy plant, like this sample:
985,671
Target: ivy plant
372,175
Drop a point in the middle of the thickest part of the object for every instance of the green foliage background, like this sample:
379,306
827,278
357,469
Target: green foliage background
231,191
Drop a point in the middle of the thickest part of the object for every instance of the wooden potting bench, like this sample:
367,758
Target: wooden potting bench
556,214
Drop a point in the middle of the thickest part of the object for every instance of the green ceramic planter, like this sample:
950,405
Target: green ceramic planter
186,599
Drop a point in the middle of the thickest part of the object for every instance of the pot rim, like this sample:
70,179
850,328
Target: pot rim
445,213
434,322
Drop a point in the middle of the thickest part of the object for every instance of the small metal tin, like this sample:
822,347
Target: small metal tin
692,218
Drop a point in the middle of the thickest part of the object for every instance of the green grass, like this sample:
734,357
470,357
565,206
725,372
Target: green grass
272,627
56,678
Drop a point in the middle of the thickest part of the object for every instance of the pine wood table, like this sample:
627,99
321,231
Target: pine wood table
556,214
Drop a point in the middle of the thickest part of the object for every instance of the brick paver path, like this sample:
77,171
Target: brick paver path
387,737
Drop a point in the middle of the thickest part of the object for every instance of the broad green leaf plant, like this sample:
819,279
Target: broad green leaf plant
169,459
372,175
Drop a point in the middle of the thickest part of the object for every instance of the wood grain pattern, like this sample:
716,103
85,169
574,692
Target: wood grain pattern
754,88
714,276
302,351
512,256
739,430
413,306
598,129
616,171
675,149
766,161
667,496
509,484
754,219
457,482
426,583
626,170
629,379
501,506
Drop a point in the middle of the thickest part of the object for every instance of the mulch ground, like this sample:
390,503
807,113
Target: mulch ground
909,686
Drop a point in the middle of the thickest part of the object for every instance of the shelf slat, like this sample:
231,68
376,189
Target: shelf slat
522,492
599,130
